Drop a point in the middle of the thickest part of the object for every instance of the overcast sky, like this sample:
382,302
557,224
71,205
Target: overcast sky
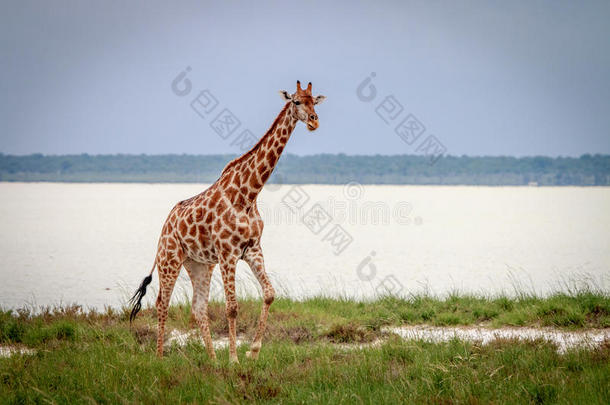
485,78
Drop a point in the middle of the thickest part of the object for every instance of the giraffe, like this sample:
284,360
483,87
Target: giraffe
222,225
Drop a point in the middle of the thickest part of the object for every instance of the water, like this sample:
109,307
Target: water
93,243
562,339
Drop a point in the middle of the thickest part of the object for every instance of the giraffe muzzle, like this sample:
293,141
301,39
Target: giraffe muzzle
312,125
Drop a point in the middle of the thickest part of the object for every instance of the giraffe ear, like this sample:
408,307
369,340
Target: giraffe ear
285,95
319,99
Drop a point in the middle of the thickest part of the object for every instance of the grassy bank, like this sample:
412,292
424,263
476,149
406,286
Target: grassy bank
96,357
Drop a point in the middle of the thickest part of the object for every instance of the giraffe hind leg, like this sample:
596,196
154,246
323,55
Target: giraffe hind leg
201,275
227,271
167,280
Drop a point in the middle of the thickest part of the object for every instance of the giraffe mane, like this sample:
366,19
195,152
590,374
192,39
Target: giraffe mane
252,150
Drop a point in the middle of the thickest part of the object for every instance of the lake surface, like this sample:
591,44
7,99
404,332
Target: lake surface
93,243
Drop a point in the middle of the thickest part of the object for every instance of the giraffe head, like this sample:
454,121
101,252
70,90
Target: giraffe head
303,102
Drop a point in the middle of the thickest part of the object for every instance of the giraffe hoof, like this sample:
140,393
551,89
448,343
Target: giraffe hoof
234,360
252,355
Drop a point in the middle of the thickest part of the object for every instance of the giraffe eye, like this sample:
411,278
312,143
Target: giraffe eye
297,102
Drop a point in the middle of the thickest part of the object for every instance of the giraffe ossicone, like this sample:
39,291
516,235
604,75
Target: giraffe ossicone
222,225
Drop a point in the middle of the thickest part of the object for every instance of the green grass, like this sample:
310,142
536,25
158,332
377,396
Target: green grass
96,357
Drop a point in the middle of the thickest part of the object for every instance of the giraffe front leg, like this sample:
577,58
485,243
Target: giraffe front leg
227,271
254,258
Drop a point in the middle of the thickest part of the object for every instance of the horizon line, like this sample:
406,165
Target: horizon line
2,154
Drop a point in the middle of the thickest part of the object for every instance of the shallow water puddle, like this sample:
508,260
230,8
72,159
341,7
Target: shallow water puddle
360,346
181,338
563,339
8,351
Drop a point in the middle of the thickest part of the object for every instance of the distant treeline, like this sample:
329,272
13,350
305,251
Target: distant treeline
587,170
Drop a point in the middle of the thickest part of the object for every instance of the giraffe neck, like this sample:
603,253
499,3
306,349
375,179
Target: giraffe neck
250,172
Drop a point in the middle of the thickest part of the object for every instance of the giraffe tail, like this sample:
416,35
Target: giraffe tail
136,300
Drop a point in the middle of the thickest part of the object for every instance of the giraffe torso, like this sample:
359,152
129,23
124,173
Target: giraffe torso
209,226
